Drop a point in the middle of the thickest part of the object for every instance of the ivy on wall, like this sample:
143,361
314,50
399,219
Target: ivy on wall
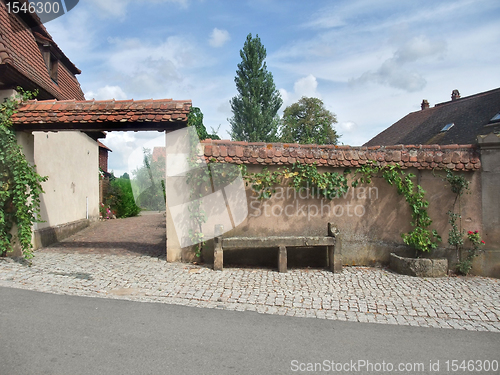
330,185
20,185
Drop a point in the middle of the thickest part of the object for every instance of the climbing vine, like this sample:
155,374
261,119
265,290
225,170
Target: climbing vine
330,185
20,185
421,238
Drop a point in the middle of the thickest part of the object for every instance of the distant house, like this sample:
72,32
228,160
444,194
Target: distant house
458,121
30,58
103,156
159,153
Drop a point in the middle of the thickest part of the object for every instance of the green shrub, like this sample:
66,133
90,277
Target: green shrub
121,198
152,199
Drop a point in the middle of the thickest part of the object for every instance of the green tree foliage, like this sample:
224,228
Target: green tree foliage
20,185
308,122
256,106
147,182
195,118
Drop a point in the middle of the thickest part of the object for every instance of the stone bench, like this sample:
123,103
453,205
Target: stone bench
332,242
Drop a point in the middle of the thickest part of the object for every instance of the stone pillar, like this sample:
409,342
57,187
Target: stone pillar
282,259
173,246
335,252
218,252
490,183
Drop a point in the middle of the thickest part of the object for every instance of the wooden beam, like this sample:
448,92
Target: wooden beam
102,126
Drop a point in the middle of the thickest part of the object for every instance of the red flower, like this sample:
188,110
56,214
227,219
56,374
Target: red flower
483,242
476,232
470,232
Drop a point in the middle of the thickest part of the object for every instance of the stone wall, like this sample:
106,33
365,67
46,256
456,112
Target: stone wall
371,217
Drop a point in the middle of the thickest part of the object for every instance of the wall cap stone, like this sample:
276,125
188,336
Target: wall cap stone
454,157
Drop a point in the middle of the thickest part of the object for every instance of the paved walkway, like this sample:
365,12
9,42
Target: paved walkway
114,259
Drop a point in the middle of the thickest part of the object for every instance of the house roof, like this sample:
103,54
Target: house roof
159,152
101,145
453,157
22,63
110,115
471,116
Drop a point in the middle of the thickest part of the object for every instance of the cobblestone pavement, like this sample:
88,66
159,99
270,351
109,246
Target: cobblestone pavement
360,294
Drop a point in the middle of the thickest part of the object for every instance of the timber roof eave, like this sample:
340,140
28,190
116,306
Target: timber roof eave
12,79
103,126
105,115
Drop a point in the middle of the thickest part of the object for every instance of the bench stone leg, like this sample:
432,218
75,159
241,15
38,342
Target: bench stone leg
282,260
335,256
218,254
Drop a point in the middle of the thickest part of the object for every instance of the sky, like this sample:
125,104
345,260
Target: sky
371,62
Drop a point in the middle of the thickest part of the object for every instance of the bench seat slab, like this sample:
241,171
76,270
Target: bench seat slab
234,243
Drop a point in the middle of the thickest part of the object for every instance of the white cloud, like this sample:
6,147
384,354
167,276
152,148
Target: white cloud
107,92
419,48
114,8
75,34
118,8
305,86
219,37
148,70
128,147
348,126
393,73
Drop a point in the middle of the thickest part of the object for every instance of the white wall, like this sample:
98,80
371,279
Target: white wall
71,161
4,94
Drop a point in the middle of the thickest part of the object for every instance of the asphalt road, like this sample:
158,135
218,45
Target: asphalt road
53,334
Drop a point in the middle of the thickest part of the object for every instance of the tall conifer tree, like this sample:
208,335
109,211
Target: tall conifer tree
255,107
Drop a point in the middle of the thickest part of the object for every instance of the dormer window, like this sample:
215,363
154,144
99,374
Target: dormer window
53,66
495,118
447,127
49,54
51,61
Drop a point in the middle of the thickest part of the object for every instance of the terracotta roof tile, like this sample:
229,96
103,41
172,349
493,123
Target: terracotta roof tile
455,157
53,112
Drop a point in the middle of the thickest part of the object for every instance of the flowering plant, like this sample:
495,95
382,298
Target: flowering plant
106,212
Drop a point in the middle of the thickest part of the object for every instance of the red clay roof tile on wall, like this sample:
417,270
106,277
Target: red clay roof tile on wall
454,157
